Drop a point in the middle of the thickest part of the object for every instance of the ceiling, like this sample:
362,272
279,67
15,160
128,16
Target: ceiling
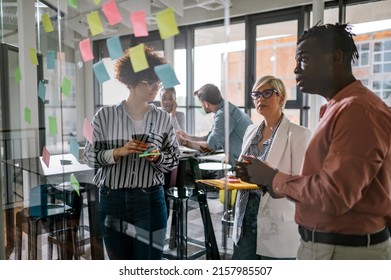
186,12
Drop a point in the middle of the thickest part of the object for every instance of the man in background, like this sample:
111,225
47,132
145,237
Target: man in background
212,102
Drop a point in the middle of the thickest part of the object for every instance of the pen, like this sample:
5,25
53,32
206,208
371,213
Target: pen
149,149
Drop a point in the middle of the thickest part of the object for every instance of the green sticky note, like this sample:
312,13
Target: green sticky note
72,3
75,184
166,23
33,56
97,2
47,23
27,115
137,58
53,125
18,75
66,87
95,23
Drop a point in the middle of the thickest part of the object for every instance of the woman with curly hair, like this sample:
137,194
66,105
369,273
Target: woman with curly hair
134,145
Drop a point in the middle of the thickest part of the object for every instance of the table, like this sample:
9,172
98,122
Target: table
60,167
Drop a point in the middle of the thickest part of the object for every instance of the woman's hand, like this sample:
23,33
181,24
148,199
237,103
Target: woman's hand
132,146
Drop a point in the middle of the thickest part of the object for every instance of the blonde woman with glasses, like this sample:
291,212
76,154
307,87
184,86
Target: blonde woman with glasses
264,227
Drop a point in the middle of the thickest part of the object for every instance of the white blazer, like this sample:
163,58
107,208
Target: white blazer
277,234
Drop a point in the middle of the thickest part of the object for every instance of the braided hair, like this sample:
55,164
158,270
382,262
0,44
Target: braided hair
333,37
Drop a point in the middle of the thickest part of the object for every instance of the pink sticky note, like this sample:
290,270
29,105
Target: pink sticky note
139,23
111,12
85,49
46,156
88,131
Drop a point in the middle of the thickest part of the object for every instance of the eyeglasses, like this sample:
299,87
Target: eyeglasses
255,95
153,84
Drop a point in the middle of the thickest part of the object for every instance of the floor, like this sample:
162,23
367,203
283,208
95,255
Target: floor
195,231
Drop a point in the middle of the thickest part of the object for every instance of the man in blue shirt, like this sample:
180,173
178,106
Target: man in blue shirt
212,102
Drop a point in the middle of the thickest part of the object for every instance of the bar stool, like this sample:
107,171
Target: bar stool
44,215
227,219
186,189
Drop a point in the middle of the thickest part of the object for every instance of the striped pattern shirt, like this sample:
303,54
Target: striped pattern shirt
113,128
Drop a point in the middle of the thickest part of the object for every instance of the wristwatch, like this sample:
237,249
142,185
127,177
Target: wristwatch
184,142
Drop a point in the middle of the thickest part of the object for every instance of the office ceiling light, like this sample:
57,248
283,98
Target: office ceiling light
211,5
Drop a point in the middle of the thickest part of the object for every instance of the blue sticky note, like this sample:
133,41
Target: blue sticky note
101,72
166,75
51,63
114,47
41,90
74,147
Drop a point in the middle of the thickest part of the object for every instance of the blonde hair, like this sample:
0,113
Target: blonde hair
276,83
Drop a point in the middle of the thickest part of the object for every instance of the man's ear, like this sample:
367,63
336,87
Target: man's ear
338,57
206,104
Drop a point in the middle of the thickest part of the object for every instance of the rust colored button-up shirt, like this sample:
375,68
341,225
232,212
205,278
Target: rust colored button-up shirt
345,183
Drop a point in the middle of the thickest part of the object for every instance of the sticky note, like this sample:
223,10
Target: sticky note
18,75
33,56
100,72
27,115
137,58
86,51
74,147
42,90
72,3
75,184
47,23
114,47
95,23
53,125
97,2
45,156
50,60
110,10
139,23
88,131
66,86
166,23
166,75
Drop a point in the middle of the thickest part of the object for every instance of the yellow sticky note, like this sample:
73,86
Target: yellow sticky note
166,23
137,58
47,23
97,2
33,56
95,23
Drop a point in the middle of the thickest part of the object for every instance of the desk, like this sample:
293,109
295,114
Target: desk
55,174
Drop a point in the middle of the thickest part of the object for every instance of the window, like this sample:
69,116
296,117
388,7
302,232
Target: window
382,57
363,59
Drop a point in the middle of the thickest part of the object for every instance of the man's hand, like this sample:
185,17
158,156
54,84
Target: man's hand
255,171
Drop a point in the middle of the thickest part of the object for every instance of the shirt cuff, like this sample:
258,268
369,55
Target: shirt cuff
109,156
278,182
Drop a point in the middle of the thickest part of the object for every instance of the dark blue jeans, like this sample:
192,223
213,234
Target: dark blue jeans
247,245
133,222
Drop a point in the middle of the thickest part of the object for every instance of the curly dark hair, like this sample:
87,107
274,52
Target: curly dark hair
334,37
125,73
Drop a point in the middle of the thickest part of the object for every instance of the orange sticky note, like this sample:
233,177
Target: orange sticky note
166,23
85,49
111,12
95,23
45,156
47,23
139,23
88,131
137,58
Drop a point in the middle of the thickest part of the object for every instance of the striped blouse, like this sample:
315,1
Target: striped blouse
113,128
